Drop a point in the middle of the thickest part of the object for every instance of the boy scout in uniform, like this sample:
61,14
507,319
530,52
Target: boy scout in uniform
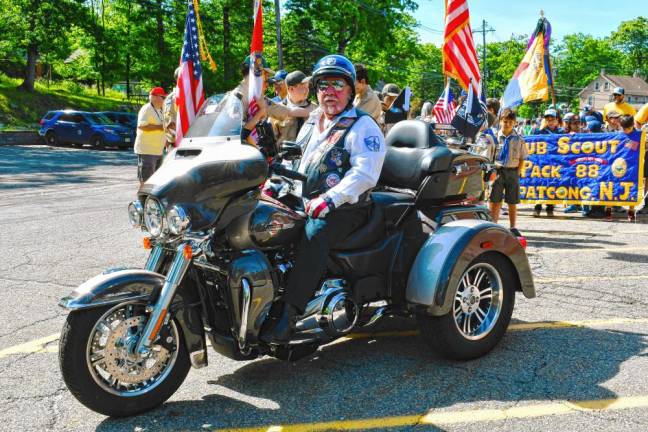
511,153
287,127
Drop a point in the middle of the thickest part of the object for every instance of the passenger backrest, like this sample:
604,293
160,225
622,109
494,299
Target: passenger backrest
412,134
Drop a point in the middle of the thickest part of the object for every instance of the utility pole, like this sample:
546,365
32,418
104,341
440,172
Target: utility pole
483,31
278,25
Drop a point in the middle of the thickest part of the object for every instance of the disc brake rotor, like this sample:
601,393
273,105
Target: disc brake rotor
126,367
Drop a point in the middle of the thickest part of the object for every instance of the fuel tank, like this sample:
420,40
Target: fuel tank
269,226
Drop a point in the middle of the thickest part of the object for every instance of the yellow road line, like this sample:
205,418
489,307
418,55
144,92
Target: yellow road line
39,345
542,251
591,278
463,416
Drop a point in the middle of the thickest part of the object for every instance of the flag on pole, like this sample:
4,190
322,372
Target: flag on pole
459,56
255,90
470,116
532,78
190,86
445,108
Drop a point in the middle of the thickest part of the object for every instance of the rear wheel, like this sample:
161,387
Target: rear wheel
96,141
51,138
98,365
481,310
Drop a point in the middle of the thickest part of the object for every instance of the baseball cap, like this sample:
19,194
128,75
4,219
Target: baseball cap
587,107
391,90
613,114
550,113
594,126
280,75
296,77
264,63
569,117
158,91
618,91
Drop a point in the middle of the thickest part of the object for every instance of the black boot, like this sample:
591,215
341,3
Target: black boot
283,328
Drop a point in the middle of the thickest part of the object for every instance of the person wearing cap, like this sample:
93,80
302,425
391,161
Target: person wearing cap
267,108
618,104
279,83
572,123
551,126
389,94
287,127
613,121
366,98
150,138
588,111
343,154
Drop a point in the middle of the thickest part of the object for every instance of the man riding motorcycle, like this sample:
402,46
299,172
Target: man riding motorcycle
343,154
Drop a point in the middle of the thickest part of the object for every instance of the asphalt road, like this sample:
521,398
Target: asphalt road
574,359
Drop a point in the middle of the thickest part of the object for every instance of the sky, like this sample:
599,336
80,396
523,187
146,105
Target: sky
595,17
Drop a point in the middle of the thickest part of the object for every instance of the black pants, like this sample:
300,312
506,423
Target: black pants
312,254
538,207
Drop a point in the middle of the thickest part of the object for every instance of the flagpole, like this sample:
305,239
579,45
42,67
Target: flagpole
553,92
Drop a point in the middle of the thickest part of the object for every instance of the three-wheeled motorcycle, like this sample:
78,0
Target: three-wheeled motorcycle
221,250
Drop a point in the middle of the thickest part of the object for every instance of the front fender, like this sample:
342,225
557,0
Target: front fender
113,287
116,286
446,255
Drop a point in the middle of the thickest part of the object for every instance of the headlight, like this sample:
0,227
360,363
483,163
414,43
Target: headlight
178,220
154,217
135,214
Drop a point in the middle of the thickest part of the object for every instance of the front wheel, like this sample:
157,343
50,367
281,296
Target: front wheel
98,365
96,142
482,306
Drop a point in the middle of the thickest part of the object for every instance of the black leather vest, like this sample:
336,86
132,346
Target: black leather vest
331,160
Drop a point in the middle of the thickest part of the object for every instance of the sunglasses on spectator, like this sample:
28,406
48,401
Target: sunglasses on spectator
337,84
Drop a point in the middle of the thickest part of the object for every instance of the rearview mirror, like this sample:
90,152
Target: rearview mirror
290,151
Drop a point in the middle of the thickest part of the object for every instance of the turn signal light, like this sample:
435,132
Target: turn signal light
187,251
486,245
147,243
523,242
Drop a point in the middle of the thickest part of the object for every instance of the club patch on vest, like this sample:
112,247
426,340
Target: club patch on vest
332,180
345,122
372,143
336,158
334,137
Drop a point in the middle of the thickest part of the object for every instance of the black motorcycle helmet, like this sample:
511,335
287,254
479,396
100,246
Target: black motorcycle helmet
338,66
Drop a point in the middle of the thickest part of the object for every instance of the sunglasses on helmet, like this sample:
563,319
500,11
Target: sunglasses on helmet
337,84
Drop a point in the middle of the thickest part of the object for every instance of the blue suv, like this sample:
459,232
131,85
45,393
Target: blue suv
80,127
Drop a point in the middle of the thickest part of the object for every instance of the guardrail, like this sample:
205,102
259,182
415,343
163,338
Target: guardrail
20,138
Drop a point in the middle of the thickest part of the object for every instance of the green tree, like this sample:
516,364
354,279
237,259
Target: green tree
632,39
502,58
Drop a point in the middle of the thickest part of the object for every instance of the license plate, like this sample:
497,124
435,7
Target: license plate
126,139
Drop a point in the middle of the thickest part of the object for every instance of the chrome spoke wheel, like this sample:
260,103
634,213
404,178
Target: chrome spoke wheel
478,301
110,353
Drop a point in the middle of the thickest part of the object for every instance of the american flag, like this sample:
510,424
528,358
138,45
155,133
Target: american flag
255,89
459,56
190,86
445,108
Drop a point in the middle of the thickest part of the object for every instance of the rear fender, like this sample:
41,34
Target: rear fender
446,255
117,286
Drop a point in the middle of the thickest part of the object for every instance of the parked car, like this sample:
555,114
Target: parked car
80,127
128,119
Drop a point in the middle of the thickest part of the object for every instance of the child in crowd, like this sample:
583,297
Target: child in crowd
627,124
511,152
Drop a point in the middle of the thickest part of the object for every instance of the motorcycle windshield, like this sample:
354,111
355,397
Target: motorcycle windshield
219,116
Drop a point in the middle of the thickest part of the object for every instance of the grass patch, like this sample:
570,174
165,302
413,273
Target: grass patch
21,110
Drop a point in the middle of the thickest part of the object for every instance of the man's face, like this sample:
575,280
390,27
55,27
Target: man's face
157,101
279,87
507,125
618,98
387,102
360,86
552,122
333,95
298,93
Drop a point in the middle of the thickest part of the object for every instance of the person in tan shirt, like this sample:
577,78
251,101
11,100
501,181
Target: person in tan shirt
511,153
366,99
286,128
150,139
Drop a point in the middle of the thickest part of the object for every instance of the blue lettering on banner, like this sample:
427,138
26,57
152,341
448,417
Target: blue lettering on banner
372,143
604,168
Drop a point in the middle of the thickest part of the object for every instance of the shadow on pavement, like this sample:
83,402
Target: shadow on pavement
398,376
36,166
